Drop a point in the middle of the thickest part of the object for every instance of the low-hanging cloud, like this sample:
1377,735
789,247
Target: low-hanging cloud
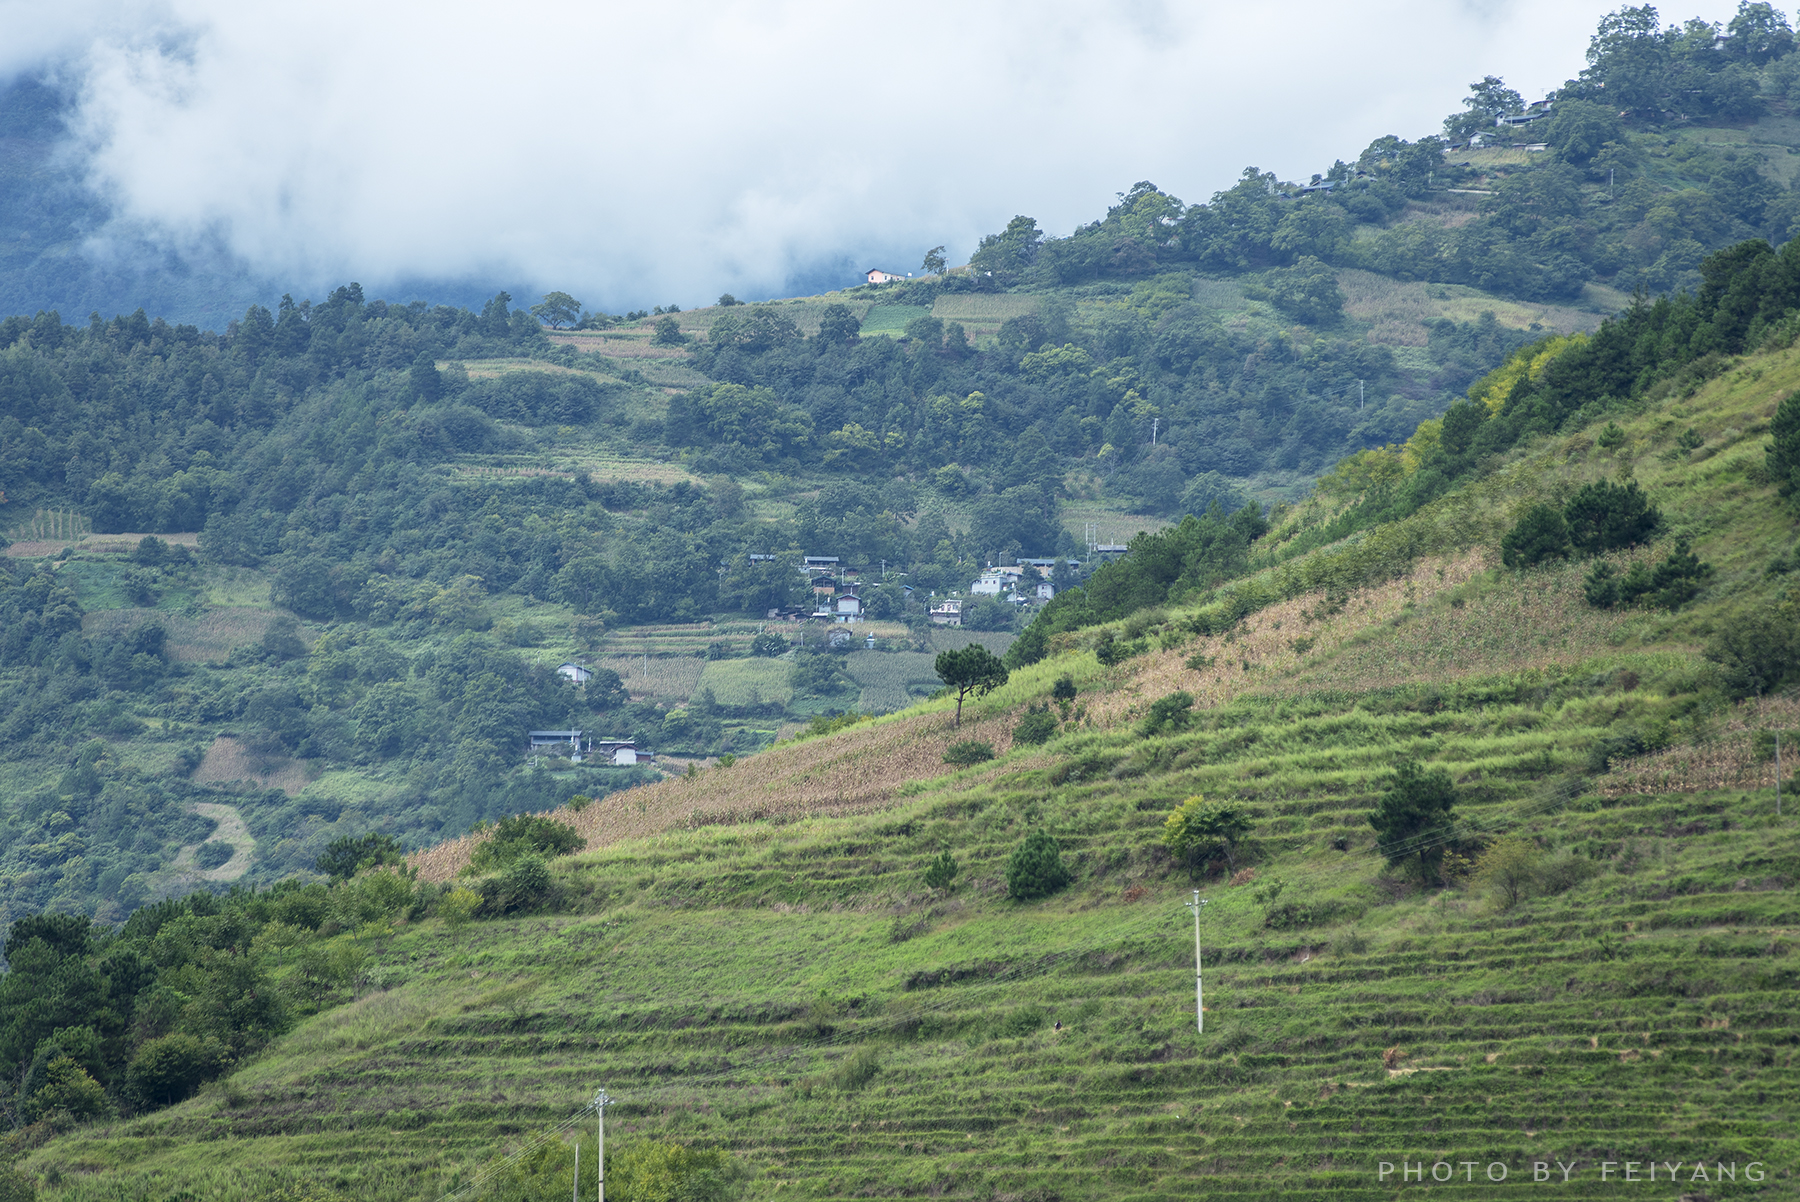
630,153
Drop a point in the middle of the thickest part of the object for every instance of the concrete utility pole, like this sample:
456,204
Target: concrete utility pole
1155,424
601,1101
575,1190
1199,1010
1777,774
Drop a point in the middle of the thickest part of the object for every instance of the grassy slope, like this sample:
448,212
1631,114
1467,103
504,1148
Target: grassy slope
752,962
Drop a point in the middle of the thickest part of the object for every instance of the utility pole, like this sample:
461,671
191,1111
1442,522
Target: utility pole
575,1190
601,1101
1199,1011
1777,774
1155,422
1359,396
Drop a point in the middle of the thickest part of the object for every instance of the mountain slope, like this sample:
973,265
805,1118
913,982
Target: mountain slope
748,959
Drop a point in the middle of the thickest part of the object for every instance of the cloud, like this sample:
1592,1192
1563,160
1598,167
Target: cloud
635,153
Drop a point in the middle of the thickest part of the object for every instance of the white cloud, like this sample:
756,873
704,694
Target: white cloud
636,153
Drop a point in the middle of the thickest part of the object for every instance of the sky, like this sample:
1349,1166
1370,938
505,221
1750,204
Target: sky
636,154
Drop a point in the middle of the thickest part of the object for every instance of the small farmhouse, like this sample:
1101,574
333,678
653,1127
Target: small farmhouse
877,276
620,752
575,672
948,613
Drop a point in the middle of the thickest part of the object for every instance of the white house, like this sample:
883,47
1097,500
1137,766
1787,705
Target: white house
877,276
621,752
949,613
575,672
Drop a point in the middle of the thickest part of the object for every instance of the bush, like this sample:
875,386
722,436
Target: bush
1174,712
1110,649
344,858
1667,585
768,643
1036,868
1757,650
1064,688
67,1089
1784,452
524,886
213,853
1035,728
1605,517
1540,534
1509,868
15,1186
1413,817
941,871
967,752
166,1070
1194,832
527,834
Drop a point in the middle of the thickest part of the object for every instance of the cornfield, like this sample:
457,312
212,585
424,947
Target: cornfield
1726,759
663,678
747,681
861,768
892,680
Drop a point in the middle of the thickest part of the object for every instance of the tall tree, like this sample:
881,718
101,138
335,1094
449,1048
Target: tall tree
974,669
557,309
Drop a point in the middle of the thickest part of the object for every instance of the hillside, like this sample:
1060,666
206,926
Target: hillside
380,528
749,959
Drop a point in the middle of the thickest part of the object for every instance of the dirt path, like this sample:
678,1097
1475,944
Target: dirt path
231,829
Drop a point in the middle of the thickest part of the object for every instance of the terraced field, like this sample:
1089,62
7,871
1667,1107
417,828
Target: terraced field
844,1031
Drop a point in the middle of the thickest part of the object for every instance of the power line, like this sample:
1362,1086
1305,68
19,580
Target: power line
1041,967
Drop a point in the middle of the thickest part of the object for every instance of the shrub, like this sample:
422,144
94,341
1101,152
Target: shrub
166,1070
1509,867
1757,650
344,858
1413,816
1667,585
16,1186
768,643
457,907
668,1172
967,752
1036,868
1605,517
1035,728
1195,832
1540,534
1110,649
527,834
1174,712
67,1088
525,885
1064,688
1564,873
371,897
213,853
1784,451
941,871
